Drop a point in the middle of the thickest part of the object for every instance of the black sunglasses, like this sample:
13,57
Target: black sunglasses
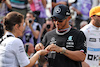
96,15
59,20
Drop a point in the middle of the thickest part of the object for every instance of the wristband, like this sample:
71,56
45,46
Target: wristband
63,50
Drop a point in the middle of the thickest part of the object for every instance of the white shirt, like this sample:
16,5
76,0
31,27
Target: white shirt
12,53
92,34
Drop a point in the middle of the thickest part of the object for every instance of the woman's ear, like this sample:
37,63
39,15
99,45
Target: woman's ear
16,27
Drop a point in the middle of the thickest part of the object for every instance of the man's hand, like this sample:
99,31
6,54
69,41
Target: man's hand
39,46
27,22
53,47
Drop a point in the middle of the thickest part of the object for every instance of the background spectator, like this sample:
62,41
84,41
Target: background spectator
83,23
48,26
82,8
32,30
30,51
38,7
19,6
48,8
57,2
95,3
5,6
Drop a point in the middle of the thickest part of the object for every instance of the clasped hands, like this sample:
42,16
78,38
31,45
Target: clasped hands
49,48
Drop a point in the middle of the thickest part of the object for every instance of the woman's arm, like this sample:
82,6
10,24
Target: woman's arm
35,57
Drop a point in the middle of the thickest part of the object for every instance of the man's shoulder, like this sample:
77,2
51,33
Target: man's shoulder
74,30
86,29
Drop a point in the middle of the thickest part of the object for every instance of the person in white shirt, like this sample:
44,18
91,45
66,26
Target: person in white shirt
12,53
92,33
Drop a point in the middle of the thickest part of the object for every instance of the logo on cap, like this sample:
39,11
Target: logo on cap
57,10
67,13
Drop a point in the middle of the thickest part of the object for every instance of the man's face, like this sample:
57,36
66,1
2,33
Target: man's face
28,16
60,24
96,20
31,48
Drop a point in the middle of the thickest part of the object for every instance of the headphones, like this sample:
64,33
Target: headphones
26,48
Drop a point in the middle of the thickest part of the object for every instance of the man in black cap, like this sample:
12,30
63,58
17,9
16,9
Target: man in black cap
66,45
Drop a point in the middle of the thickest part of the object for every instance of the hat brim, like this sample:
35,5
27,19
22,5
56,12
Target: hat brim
98,14
58,16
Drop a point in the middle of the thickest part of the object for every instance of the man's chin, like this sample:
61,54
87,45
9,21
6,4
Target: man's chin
59,28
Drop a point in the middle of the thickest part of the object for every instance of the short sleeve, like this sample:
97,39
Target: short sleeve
85,31
19,51
81,42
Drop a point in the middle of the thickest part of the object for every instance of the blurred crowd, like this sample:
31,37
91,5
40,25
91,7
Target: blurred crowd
37,19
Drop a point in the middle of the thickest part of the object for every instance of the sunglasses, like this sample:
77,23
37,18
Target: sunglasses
96,15
59,20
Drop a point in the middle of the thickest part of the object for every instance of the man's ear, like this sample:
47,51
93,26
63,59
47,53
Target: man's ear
69,17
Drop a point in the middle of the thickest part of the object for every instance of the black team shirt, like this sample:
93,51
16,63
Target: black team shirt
72,40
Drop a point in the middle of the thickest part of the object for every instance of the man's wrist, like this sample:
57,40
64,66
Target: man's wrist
63,50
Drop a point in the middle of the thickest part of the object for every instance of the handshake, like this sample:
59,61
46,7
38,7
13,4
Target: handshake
49,48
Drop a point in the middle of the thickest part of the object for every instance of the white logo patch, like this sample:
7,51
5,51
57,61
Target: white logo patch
53,40
58,10
67,13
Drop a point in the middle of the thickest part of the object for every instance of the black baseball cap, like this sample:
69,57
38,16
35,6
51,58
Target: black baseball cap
61,11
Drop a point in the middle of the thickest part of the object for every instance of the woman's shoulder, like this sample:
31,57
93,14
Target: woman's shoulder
14,40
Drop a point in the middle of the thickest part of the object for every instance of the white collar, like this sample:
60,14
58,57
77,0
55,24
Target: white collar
63,32
8,33
97,28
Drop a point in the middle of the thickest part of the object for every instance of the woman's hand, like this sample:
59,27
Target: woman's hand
43,52
39,46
